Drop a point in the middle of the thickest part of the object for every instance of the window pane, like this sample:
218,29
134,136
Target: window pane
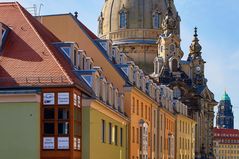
121,136
63,114
110,133
49,113
49,128
103,131
63,128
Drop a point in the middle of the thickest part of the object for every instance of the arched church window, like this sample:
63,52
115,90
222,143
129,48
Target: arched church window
156,19
175,65
123,18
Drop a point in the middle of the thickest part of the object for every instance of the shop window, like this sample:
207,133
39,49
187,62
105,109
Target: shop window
49,113
63,114
63,128
49,128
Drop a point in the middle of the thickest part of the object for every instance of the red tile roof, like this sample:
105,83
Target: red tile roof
28,57
228,134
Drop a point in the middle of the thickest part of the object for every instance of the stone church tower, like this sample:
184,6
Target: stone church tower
225,117
134,26
187,79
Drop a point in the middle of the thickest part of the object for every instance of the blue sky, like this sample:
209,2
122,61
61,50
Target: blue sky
217,23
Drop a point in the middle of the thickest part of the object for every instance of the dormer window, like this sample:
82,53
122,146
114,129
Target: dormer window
75,57
123,18
123,58
3,34
67,51
89,63
88,79
156,19
115,98
109,94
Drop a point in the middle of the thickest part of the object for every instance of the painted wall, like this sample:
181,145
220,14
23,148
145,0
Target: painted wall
20,130
93,148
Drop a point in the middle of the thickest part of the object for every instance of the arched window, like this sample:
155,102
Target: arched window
156,19
123,18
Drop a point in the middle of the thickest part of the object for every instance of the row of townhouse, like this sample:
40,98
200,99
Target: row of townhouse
66,94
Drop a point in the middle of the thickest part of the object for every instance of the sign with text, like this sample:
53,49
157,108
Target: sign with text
63,143
48,143
63,98
48,98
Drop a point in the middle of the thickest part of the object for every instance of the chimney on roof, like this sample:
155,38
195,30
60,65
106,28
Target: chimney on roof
76,14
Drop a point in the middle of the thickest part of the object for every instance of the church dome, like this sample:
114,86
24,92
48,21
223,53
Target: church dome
139,14
134,27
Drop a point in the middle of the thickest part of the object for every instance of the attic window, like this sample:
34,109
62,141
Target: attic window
67,51
88,79
3,34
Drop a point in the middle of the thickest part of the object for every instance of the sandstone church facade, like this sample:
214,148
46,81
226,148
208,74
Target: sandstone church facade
149,33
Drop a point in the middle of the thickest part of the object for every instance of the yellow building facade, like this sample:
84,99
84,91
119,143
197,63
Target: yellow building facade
104,132
185,137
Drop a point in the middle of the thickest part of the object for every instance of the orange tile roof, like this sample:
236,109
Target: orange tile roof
28,57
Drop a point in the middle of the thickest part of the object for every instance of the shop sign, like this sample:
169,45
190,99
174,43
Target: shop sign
48,143
48,98
63,143
63,98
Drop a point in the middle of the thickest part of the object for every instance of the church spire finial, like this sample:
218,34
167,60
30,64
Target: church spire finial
195,47
195,32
